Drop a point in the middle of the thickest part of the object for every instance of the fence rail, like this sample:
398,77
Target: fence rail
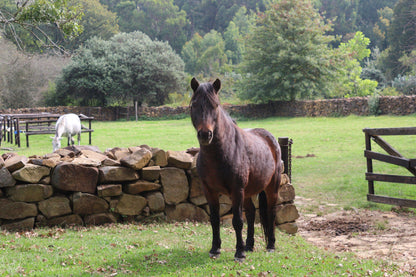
392,157
35,124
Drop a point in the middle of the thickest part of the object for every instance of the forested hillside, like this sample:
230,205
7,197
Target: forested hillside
262,50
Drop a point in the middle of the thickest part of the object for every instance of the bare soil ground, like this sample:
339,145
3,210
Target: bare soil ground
387,236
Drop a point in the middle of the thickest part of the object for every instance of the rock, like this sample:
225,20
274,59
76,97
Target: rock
15,162
16,210
175,185
115,174
85,203
29,192
286,193
284,178
110,162
31,173
55,206
64,221
289,227
286,213
20,225
109,190
51,163
141,186
6,179
138,159
151,173
71,177
82,148
1,161
196,194
118,153
86,162
100,219
225,204
94,156
65,153
193,151
179,159
130,204
156,202
52,156
186,211
159,157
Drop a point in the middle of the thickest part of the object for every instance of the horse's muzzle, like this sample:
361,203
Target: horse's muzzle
205,137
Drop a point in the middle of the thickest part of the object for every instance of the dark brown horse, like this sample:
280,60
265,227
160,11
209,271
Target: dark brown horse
239,163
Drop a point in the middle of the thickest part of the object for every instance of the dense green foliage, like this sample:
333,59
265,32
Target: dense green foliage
128,67
217,39
287,55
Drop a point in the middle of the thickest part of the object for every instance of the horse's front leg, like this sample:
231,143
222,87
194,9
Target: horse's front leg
250,216
214,207
237,199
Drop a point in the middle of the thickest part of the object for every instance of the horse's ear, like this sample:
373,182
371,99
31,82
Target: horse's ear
217,85
194,84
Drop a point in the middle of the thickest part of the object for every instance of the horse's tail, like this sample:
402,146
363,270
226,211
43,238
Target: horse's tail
263,213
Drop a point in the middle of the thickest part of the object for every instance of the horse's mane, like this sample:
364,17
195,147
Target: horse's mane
206,94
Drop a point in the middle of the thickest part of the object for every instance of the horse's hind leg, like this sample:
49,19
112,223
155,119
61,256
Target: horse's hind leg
237,199
271,195
250,216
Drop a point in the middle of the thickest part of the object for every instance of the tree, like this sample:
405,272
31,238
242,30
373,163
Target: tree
34,17
204,55
401,38
128,67
97,21
348,80
287,54
162,20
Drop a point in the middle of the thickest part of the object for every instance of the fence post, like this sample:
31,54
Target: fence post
369,162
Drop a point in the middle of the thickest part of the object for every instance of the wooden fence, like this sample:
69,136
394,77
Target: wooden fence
11,126
392,157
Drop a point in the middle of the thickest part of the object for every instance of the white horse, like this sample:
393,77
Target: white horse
68,125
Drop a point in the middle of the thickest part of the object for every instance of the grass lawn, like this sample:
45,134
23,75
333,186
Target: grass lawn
335,175
179,249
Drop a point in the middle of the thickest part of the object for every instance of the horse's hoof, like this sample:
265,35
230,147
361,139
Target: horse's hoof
239,257
249,248
214,255
239,260
270,250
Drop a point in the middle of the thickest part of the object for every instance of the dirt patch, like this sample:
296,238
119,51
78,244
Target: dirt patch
387,236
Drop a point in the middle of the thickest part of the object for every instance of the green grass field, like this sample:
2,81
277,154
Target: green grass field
335,175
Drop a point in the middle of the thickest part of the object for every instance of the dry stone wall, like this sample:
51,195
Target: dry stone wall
396,105
83,186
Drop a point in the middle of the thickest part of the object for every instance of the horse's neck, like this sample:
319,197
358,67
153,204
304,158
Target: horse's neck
224,136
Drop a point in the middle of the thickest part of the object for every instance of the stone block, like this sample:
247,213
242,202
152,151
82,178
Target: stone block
71,177
175,185
55,206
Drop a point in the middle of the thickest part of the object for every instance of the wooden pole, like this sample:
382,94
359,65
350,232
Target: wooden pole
135,109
